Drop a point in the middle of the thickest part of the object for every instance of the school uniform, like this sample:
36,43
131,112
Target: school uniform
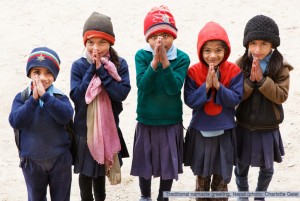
210,142
82,74
43,141
159,131
259,114
44,144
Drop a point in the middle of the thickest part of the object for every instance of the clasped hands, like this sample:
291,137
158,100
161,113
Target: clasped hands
212,78
256,73
160,54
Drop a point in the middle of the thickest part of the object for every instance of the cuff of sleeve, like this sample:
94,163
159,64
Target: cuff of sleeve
45,97
249,83
167,70
260,83
153,68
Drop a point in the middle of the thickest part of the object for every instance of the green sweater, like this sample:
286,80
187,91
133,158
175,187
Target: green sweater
159,92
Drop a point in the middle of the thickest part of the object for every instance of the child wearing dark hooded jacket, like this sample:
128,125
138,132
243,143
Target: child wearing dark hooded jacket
213,88
266,87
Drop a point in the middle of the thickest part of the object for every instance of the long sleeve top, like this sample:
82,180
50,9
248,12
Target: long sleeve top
159,92
215,110
82,73
42,132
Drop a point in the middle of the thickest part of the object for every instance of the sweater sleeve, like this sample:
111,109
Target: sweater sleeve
194,97
174,75
22,112
117,90
277,91
80,81
145,75
231,96
59,108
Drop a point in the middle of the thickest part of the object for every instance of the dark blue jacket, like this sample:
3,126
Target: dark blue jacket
42,132
81,74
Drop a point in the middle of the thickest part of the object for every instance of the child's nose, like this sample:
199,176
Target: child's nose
257,48
42,76
213,54
96,46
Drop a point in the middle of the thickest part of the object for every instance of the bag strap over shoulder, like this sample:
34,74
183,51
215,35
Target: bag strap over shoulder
25,96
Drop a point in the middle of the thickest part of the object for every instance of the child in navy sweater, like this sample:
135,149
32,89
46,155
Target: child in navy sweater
101,70
41,119
213,87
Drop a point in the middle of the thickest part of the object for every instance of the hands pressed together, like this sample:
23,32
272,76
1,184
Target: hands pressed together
96,59
256,72
160,54
212,78
38,88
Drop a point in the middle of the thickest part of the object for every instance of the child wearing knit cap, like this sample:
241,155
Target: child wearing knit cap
213,88
266,87
99,83
40,113
160,72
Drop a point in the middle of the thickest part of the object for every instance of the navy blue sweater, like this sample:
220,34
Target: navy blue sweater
82,73
42,133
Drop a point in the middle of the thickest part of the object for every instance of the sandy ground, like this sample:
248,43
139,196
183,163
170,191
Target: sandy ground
58,25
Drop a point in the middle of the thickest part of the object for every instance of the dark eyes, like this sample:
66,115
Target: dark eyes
164,36
101,42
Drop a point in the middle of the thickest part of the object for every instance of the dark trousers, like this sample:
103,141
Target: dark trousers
56,172
88,184
145,186
264,178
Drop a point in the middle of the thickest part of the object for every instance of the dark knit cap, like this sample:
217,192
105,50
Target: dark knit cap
43,57
98,25
261,27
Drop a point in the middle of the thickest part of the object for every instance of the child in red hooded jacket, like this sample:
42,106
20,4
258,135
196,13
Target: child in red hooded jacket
213,87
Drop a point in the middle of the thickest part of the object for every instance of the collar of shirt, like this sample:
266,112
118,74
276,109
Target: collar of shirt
51,90
264,62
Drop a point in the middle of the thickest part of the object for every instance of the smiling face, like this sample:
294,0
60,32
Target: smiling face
44,74
167,40
213,52
100,45
260,48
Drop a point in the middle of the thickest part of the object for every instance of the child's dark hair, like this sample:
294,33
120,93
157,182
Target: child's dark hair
114,57
274,66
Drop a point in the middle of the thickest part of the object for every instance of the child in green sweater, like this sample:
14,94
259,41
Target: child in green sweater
160,72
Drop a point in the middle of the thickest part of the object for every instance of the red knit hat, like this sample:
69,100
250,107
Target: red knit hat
159,19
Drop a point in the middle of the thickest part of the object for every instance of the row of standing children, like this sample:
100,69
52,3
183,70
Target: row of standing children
215,89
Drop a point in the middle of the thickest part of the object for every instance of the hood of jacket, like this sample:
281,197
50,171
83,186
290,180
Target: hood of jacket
212,31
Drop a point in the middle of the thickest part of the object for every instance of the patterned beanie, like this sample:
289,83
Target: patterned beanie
261,27
98,25
44,57
159,19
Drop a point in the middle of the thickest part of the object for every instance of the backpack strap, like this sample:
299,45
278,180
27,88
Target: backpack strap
25,96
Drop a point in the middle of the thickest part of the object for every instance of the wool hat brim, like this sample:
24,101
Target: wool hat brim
91,34
161,28
258,35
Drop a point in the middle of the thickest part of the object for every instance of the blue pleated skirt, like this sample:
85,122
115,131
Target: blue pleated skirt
210,155
85,163
259,148
157,151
